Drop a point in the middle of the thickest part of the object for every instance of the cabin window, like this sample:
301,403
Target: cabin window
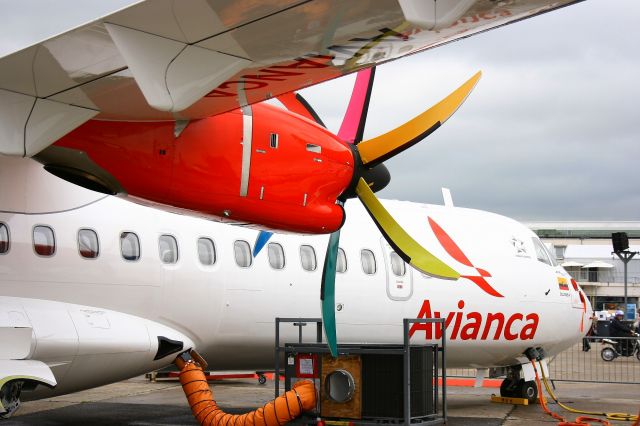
168,248
541,252
341,263
276,255
242,253
88,245
551,257
308,258
4,238
398,266
44,241
368,261
206,251
129,246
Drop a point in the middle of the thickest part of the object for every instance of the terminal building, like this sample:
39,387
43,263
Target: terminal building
585,250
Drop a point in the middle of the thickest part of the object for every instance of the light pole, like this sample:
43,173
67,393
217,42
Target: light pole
621,249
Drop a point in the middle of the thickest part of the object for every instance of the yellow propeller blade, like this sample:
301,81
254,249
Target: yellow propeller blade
406,247
376,150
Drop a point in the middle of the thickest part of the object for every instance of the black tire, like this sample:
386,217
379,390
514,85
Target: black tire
528,390
508,388
262,379
638,354
608,354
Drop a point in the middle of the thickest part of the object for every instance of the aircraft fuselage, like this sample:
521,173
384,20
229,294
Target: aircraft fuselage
511,295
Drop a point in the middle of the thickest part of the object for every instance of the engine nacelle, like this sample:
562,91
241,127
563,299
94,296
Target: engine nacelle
266,166
88,346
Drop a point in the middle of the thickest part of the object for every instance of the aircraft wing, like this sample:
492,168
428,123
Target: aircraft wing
183,60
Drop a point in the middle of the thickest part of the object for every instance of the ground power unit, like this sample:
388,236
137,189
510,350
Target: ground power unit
368,383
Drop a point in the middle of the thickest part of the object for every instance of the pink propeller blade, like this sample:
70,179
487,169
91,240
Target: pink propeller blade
352,126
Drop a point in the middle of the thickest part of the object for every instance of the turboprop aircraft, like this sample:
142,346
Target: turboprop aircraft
160,103
155,102
94,289
163,112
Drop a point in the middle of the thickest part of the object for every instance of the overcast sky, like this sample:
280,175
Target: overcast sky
552,131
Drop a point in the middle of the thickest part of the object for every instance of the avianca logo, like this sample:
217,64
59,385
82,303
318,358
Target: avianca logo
476,326
454,251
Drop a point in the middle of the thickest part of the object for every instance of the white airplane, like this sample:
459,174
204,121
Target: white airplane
160,104
95,289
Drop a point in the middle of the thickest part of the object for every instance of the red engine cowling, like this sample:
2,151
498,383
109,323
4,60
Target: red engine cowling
293,173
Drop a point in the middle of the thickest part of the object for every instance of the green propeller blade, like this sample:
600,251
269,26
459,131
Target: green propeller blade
328,293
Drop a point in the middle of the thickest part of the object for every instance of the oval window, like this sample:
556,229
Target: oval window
242,253
4,238
88,244
276,256
308,258
44,241
129,246
398,266
368,262
206,251
168,248
341,264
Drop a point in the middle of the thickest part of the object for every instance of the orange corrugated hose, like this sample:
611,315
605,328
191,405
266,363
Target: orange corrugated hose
286,407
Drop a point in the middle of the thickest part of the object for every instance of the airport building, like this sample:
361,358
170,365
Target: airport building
585,250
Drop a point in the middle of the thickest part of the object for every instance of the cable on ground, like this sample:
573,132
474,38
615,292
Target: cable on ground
581,420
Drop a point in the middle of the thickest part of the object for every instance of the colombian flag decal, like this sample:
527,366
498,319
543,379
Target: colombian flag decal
563,284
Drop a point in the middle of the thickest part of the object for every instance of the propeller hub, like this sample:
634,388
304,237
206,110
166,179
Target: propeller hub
378,176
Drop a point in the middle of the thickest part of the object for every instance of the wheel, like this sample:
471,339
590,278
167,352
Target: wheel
608,354
262,379
638,354
508,388
10,398
528,390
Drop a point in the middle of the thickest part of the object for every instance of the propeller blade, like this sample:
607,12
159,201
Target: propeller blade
328,293
406,247
261,241
294,102
376,150
352,127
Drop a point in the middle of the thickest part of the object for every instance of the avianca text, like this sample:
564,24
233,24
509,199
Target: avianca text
477,326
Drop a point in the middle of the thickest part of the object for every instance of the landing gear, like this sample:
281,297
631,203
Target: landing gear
528,390
508,388
10,398
514,386
519,389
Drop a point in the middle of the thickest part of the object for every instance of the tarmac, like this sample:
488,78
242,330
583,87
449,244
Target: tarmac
140,402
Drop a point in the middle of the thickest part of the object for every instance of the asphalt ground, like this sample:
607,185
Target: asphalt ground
143,403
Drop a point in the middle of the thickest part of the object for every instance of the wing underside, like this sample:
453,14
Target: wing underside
183,60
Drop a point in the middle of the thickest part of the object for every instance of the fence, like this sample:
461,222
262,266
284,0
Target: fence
576,365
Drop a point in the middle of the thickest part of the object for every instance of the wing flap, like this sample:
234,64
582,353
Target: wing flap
172,75
29,124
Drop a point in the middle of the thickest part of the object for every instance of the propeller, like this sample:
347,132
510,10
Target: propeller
370,176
